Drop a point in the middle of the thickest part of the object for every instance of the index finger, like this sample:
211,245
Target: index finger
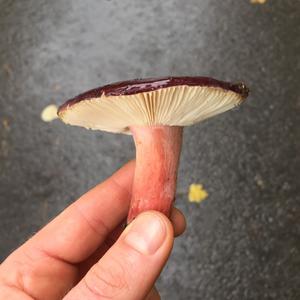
80,229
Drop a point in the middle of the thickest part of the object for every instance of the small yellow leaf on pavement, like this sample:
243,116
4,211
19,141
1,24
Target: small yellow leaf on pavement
258,1
197,193
49,113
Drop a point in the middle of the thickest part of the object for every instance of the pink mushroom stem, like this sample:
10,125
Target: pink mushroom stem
157,157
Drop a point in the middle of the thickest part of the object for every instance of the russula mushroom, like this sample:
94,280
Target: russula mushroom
154,111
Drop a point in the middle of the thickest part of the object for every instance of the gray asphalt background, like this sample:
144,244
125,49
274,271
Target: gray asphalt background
243,241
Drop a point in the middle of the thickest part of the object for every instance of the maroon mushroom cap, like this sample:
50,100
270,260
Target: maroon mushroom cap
173,101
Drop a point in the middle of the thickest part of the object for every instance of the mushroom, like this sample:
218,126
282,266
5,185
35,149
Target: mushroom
154,111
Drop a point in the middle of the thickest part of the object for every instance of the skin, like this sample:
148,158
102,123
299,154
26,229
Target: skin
84,253
157,157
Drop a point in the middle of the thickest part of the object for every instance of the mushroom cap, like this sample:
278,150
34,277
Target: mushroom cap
170,101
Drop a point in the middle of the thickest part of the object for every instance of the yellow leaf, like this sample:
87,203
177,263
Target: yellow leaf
197,193
49,113
258,1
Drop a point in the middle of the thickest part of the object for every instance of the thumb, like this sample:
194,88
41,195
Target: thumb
129,269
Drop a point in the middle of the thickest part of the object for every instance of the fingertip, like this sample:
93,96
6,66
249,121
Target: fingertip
149,232
178,220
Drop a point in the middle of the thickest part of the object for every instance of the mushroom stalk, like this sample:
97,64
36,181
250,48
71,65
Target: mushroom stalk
157,157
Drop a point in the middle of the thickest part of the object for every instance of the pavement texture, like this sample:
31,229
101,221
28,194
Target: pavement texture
243,241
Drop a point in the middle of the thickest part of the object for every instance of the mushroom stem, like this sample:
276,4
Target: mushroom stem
157,157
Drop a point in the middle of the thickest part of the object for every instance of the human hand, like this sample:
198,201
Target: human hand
85,254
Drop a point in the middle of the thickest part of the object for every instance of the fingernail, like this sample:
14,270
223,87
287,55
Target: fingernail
146,233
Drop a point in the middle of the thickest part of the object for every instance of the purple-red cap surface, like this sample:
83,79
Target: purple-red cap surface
171,101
